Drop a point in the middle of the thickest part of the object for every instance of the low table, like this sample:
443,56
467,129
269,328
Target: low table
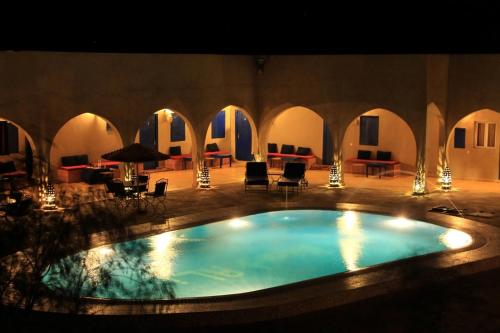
378,166
221,157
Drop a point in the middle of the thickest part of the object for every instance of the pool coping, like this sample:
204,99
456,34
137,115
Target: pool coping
310,295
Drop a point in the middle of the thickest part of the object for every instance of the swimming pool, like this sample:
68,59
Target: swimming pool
248,253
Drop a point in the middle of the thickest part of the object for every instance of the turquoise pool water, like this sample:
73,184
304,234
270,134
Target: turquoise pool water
247,253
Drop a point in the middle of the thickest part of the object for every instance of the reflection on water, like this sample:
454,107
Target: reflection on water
455,239
162,255
95,259
350,239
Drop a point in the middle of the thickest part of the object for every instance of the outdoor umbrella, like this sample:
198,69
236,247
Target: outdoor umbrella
135,153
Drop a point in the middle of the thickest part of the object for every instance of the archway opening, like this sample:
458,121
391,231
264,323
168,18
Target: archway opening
17,151
79,143
230,141
381,136
473,151
168,132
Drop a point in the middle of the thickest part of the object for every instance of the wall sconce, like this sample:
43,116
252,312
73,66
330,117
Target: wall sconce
446,179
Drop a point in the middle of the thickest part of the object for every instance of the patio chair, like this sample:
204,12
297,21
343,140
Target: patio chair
121,197
256,174
159,195
293,176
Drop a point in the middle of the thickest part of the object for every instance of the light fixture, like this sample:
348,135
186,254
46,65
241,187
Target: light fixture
335,179
419,182
48,197
204,178
446,179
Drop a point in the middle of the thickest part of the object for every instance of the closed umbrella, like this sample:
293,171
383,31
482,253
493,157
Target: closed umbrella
135,153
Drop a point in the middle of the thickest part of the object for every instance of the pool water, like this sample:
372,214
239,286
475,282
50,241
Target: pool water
248,253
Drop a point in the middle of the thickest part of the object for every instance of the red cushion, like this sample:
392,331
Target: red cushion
180,157
358,160
14,173
74,167
210,153
290,155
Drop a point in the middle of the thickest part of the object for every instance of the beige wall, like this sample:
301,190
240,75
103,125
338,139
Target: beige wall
164,142
432,140
470,162
226,143
394,136
84,134
300,127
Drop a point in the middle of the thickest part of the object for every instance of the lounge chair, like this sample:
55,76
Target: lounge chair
256,174
293,176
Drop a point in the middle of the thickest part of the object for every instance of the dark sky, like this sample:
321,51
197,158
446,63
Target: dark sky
257,28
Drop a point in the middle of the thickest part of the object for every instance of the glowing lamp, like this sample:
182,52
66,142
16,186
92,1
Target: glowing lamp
204,178
446,179
48,197
334,177
419,182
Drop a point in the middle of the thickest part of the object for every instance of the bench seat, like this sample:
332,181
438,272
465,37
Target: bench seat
309,160
393,167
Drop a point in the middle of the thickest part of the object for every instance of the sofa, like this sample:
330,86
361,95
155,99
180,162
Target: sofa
71,168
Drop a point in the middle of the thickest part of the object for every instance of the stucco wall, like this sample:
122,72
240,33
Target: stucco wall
472,162
84,134
394,136
300,127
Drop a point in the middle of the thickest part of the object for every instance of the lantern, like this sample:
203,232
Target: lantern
204,177
446,179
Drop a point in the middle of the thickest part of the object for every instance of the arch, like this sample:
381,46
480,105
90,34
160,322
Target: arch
395,135
188,146
88,134
287,125
474,162
228,143
22,135
20,156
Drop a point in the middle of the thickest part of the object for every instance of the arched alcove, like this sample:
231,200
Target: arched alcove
16,145
298,126
86,134
392,135
171,133
473,149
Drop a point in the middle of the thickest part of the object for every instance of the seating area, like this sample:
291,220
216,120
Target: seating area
364,164
179,161
77,168
293,176
288,154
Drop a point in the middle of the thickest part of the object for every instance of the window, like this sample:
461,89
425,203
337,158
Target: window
484,135
219,125
177,129
459,137
368,130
